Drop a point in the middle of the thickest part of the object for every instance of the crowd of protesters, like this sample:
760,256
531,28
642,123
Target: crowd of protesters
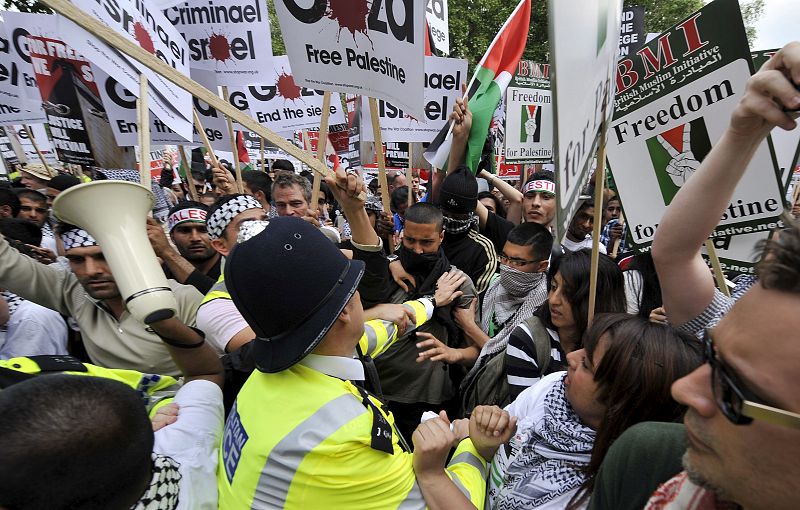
328,353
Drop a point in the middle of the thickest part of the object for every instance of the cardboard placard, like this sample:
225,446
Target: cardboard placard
529,115
373,49
674,101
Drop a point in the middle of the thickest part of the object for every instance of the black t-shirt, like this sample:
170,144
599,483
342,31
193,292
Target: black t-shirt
496,230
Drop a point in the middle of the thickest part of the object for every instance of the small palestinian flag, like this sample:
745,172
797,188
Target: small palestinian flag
487,87
676,154
530,123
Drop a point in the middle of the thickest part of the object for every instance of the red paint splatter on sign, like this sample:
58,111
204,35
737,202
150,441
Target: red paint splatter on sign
220,47
143,37
287,88
350,15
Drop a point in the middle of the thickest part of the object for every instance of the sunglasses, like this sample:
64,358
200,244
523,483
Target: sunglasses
739,404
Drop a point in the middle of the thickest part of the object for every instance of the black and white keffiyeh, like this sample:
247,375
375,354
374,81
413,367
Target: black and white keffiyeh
77,238
547,463
512,299
161,205
162,493
13,302
221,218
250,229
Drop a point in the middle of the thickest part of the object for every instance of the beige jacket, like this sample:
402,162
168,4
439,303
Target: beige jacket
126,343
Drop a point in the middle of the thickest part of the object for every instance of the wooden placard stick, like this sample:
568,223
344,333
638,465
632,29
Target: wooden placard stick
38,152
322,144
237,166
600,176
143,119
202,132
719,276
410,173
187,164
263,168
128,47
617,242
376,130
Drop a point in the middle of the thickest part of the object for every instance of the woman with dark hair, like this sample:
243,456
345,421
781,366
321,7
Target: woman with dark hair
567,421
562,319
492,203
642,289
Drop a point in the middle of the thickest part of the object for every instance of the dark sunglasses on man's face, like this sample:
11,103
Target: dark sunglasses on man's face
739,404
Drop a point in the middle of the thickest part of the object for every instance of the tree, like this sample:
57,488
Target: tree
751,12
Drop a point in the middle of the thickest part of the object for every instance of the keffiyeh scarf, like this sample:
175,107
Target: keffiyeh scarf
543,462
13,303
512,299
162,493
679,493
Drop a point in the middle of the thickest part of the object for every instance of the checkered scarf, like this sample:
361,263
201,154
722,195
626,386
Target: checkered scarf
250,229
221,218
545,461
77,238
161,205
162,493
13,302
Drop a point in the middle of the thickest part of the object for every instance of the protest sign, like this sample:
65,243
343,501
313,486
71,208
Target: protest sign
120,105
282,105
396,154
443,80
64,80
508,171
338,142
354,108
584,37
137,21
375,50
529,114
19,95
785,143
737,254
42,142
253,144
229,37
7,149
436,16
674,101
631,31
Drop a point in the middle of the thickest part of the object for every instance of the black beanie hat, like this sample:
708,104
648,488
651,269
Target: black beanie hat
62,182
459,191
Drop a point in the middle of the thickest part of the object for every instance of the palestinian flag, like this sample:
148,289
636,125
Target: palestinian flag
676,154
530,112
488,85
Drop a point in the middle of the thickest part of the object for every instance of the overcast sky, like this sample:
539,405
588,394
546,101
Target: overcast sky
779,24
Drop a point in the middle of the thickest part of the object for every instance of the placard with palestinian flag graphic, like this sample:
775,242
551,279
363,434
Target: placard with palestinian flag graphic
674,100
676,154
529,115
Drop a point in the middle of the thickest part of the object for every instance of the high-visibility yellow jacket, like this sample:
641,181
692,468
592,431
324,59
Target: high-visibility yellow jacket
302,439
155,390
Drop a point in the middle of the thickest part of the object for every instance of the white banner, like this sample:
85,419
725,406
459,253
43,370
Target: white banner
42,141
584,39
229,37
443,80
653,150
529,124
20,101
436,16
282,105
120,105
149,28
375,50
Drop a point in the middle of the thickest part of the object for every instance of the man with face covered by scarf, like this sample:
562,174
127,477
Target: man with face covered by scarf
411,387
463,245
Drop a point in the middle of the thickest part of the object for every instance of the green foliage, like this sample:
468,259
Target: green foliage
278,48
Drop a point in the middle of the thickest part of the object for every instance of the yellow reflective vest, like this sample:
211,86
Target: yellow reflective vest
302,439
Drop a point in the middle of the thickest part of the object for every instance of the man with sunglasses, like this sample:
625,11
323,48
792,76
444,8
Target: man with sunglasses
742,426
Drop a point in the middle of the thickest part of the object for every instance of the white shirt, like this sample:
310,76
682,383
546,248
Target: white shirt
220,320
586,243
34,330
335,366
193,441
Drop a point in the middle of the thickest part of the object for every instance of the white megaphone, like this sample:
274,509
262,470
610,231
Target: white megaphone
115,214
